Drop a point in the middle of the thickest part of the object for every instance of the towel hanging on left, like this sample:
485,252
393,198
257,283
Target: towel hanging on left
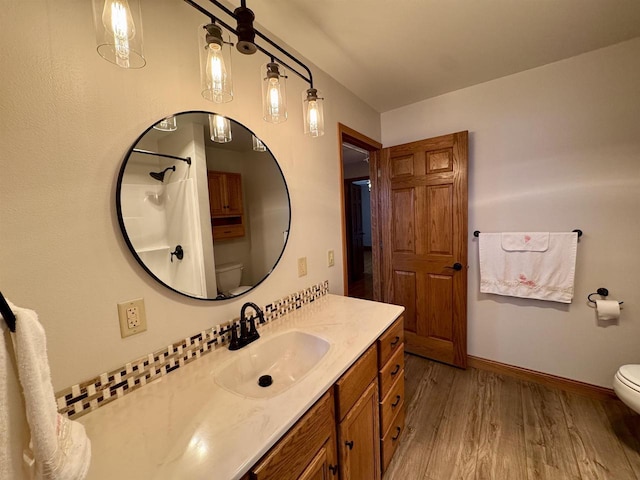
59,447
538,265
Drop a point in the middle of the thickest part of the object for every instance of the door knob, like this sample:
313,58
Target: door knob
456,266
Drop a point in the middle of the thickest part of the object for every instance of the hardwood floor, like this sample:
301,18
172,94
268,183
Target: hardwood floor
363,288
475,424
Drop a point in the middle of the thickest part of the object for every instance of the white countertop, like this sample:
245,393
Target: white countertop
186,426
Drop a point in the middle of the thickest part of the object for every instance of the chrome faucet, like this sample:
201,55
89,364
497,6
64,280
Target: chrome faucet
247,334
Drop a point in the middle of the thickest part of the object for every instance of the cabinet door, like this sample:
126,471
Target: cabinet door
234,194
216,193
359,445
323,466
296,452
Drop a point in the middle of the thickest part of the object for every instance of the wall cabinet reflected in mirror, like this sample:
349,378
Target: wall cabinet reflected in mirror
225,200
226,205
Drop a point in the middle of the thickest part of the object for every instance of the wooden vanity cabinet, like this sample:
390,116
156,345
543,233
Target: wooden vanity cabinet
354,429
357,416
225,204
307,451
391,379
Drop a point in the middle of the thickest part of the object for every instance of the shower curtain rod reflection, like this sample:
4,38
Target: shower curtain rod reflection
147,152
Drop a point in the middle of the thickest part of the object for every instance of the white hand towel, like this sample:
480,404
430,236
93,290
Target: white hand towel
6,468
538,265
61,449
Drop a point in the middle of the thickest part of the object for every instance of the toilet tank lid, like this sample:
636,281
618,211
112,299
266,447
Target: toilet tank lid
631,373
225,267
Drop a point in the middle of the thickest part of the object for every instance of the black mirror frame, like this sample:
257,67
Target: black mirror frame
130,244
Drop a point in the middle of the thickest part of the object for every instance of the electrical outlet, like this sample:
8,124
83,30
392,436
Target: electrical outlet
331,261
133,318
302,266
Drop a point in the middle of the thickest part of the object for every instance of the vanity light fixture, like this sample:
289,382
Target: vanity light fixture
258,146
219,128
118,25
313,111
273,73
274,94
169,124
215,65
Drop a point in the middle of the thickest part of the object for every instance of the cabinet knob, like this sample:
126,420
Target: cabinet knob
395,404
395,437
395,370
333,469
349,444
395,342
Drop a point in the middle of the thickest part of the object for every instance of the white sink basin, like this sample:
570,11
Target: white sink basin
286,357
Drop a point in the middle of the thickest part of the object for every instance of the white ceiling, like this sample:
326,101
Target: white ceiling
392,53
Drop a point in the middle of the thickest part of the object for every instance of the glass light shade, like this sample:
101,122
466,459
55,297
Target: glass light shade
274,95
220,128
313,112
258,146
169,124
215,64
118,25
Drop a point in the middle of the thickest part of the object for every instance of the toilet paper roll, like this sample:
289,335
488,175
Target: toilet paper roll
608,309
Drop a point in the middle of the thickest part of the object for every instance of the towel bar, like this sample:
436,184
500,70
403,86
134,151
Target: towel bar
577,230
7,314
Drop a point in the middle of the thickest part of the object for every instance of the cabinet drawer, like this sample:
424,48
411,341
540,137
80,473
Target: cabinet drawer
390,341
392,439
392,404
228,231
291,455
355,381
392,370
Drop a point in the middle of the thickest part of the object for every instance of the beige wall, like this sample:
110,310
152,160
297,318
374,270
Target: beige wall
70,117
551,149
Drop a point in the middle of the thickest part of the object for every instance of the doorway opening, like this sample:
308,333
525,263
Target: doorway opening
359,156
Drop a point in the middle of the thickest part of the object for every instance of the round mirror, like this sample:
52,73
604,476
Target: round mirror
203,205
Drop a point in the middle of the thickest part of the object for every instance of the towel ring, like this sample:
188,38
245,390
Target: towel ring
603,292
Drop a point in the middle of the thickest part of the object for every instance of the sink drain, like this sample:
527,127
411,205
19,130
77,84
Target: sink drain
265,380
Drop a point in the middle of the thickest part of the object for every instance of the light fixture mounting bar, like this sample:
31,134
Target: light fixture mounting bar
308,78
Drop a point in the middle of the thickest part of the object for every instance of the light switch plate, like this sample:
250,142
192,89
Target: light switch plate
331,260
133,318
302,266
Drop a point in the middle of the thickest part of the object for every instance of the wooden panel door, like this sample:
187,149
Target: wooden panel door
359,439
423,203
356,268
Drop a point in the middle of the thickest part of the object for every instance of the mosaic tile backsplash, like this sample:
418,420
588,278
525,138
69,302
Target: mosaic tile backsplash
82,398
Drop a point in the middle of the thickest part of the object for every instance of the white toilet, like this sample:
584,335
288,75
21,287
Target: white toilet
228,277
626,384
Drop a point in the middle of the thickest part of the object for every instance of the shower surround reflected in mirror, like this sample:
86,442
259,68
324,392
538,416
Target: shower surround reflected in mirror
225,204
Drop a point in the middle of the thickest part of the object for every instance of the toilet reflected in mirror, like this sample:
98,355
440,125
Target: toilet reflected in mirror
228,278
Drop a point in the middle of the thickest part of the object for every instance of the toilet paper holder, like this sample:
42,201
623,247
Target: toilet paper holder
603,292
